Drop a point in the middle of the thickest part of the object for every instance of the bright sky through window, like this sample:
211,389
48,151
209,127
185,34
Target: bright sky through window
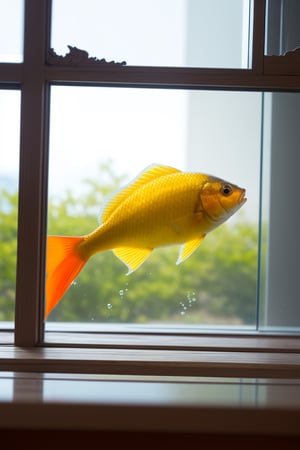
11,30
195,33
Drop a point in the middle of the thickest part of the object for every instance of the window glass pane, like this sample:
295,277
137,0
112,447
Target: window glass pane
282,26
101,138
11,30
193,33
9,166
280,307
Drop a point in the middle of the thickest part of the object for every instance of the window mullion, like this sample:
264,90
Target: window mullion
258,36
32,185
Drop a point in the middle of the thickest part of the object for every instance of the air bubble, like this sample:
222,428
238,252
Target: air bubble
109,306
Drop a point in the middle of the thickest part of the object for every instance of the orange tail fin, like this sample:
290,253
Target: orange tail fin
63,265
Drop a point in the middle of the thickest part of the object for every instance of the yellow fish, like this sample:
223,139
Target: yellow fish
163,206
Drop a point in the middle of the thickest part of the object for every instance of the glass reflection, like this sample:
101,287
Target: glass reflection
282,27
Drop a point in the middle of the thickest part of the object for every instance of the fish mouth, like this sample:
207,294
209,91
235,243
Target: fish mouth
243,197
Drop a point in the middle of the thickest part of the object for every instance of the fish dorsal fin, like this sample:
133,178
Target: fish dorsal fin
149,174
188,248
132,257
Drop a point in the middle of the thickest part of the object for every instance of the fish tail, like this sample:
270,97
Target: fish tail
63,265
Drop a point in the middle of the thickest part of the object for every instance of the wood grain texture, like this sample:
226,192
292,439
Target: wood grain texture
151,362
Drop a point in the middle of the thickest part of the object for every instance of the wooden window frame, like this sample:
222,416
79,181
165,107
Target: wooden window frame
124,353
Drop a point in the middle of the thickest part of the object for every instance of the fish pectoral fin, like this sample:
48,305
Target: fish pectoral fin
132,257
188,248
182,223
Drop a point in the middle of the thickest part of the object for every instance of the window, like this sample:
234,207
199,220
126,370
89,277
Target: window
55,89
178,33
11,31
119,132
9,156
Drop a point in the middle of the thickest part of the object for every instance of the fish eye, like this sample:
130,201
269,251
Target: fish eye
226,189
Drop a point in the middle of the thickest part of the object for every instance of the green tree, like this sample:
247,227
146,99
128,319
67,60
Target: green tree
8,252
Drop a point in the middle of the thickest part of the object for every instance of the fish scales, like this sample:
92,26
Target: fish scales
149,217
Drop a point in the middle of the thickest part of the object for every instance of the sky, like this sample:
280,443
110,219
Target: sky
11,29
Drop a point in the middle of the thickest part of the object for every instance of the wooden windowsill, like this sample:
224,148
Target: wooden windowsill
135,382
156,404
141,353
